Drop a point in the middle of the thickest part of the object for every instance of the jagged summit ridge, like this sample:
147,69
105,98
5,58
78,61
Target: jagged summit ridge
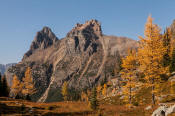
84,37
42,40
92,26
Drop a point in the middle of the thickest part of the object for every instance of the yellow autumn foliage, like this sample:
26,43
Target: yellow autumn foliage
150,55
99,89
16,86
65,91
128,74
28,85
104,91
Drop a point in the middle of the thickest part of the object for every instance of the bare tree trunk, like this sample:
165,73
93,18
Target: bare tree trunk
153,95
130,96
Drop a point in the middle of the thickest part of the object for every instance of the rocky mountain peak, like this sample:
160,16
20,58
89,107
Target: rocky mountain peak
92,27
46,29
84,37
44,36
81,59
42,40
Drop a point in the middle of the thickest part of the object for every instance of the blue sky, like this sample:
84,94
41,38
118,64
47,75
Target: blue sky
21,19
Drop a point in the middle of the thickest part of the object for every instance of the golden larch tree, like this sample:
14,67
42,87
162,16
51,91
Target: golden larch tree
28,84
16,87
104,90
128,74
150,54
172,88
65,91
83,96
99,89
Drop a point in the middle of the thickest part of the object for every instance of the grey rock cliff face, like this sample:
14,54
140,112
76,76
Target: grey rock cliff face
82,58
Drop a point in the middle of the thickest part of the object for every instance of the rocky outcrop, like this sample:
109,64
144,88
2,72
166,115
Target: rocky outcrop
164,110
82,58
41,74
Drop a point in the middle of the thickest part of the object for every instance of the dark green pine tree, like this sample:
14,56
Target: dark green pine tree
167,44
0,85
93,99
173,29
172,65
5,89
119,62
105,80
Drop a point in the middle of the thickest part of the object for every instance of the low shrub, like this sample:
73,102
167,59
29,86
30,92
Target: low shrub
168,98
50,108
136,104
22,107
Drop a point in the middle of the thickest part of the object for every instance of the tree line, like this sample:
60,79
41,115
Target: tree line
154,60
23,89
91,95
4,88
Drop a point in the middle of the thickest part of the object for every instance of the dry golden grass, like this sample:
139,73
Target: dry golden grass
113,106
14,108
173,114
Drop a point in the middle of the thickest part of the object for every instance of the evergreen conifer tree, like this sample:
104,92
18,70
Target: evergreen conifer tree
0,84
65,91
173,29
172,65
167,43
172,87
93,99
5,89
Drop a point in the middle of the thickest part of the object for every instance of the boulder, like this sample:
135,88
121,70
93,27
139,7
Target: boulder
161,111
148,108
170,110
164,110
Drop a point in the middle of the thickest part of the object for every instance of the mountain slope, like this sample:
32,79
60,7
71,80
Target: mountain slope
79,58
3,67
